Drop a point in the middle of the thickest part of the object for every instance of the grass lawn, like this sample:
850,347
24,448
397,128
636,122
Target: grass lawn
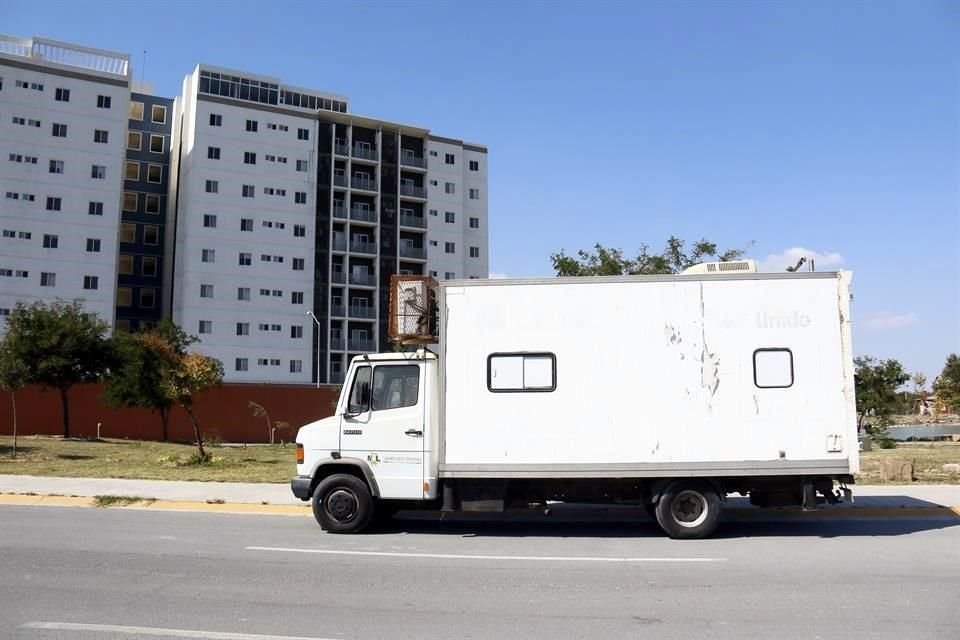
43,456
927,458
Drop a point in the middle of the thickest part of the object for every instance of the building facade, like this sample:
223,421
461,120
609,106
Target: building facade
63,124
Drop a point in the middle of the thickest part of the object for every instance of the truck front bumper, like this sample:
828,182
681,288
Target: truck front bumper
301,487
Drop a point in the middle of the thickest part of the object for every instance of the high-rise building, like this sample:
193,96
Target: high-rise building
63,126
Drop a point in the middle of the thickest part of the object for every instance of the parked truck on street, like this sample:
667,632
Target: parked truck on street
671,392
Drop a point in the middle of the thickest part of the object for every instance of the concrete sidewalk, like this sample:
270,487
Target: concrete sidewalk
865,496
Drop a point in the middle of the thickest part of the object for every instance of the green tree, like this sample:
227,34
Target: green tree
12,376
674,258
189,375
57,345
144,360
876,384
947,385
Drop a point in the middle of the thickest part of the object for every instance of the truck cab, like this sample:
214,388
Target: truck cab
379,449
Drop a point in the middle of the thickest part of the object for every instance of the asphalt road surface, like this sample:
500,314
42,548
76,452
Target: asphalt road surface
85,574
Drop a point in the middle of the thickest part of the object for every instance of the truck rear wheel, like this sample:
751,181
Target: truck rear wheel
688,509
342,504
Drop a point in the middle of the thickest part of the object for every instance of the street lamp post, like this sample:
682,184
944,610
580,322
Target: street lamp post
310,313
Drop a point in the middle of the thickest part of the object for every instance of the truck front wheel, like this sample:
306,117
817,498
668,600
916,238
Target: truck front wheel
342,504
688,509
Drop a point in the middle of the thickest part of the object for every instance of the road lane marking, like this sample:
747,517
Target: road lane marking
457,556
158,631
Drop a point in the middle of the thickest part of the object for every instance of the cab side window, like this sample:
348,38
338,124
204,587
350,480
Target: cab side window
395,386
360,393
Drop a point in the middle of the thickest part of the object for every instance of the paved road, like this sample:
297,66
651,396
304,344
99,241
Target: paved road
85,574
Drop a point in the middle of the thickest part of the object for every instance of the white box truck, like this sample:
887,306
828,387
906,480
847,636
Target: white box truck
666,391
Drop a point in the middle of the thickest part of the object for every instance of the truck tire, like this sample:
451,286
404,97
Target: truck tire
688,509
342,504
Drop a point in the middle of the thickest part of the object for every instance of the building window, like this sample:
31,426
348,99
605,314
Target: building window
212,186
152,204
474,252
474,165
243,293
298,264
206,290
449,275
205,326
508,372
156,144
134,140
303,165
50,241
136,111
125,265
93,245
124,296
251,125
296,366
296,331
158,114
62,95
100,136
148,298
449,187
474,223
59,130
208,255
148,266
434,183
243,328
296,297
128,232
241,364
48,279
300,197
154,173
474,194
449,158
130,201
299,230
249,190
213,153
54,204
303,134
151,235
98,172
433,274
56,166
773,368
249,157
131,170
91,283
245,259
95,209
433,243
216,120
449,247
246,224
450,217
433,212
210,220
103,102
433,154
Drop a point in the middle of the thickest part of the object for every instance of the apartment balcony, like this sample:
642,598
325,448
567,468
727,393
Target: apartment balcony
336,377
338,277
338,244
366,184
340,148
413,191
365,313
363,279
337,344
363,215
338,311
359,246
340,181
412,221
365,153
411,160
340,212
358,344
414,253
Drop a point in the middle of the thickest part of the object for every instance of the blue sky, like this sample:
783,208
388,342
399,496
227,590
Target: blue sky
828,128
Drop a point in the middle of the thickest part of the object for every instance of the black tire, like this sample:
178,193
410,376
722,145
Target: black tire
342,504
688,509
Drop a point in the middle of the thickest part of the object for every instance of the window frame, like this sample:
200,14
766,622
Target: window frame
523,354
153,110
793,378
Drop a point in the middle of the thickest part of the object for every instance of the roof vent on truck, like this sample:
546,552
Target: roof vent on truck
732,266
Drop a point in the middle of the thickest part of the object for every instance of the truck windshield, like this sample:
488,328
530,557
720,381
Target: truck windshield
395,386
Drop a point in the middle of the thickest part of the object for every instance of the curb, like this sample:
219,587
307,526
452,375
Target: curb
737,513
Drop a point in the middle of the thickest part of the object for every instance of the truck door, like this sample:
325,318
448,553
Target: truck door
384,425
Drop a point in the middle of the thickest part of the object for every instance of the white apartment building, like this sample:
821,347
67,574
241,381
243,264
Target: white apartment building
63,126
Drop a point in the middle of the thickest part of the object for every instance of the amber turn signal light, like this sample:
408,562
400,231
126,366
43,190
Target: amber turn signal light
299,453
